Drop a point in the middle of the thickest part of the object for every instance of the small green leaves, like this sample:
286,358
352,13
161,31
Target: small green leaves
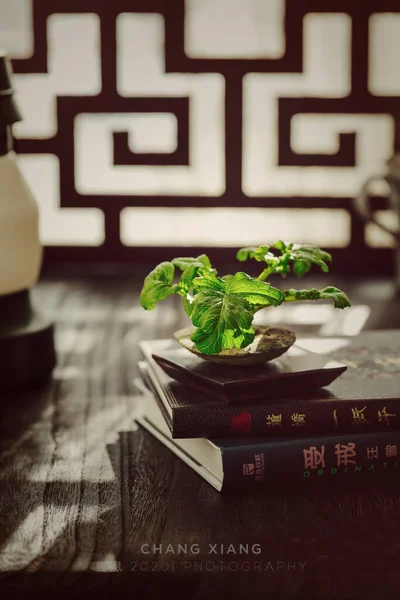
245,253
253,252
223,310
304,256
296,257
158,285
262,253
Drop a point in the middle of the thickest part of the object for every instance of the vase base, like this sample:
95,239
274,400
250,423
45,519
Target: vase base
27,356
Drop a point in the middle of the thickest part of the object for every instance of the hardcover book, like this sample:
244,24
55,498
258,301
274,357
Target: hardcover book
250,464
365,398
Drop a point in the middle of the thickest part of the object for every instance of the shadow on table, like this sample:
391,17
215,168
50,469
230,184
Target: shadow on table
47,522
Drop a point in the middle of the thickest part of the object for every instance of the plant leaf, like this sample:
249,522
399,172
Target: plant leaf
191,268
300,267
187,304
222,321
340,299
252,252
239,335
209,283
304,256
186,281
223,310
245,253
184,262
185,285
262,253
254,291
284,247
276,264
158,285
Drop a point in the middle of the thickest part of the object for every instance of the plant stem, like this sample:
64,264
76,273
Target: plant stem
292,295
264,274
290,299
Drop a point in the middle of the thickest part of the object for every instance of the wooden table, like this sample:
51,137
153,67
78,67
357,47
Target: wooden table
83,489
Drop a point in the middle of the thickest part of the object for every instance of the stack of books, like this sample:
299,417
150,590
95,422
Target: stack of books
329,407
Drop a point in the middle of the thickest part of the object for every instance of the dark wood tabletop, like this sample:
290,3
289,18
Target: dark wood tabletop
87,498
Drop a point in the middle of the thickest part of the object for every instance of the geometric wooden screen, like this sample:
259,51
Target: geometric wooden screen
205,123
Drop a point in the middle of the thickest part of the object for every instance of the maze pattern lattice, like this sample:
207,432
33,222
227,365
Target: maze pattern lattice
137,112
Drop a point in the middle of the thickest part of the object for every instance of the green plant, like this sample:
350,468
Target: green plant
223,308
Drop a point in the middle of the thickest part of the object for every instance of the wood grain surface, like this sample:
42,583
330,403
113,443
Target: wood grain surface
82,489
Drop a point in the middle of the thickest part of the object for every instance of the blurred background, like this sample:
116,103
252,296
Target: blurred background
159,128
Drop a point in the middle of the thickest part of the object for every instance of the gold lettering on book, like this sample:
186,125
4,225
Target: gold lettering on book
372,452
345,453
298,420
391,450
383,415
358,415
314,458
259,462
274,420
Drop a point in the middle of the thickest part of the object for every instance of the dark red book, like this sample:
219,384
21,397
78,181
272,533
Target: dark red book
366,397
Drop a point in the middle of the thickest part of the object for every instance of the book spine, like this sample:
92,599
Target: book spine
297,419
265,463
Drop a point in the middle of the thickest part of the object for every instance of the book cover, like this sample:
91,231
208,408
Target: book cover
365,398
231,464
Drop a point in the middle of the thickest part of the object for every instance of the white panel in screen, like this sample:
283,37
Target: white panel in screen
234,28
141,73
73,69
16,28
153,132
74,53
59,226
320,133
95,172
326,74
233,226
94,168
384,52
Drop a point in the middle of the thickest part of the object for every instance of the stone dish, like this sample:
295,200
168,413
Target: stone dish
269,343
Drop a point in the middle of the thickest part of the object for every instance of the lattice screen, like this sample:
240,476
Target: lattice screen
202,123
